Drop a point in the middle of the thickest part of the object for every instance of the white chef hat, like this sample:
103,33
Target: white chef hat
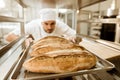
48,14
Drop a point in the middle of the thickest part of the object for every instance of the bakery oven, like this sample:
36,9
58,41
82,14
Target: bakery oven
108,30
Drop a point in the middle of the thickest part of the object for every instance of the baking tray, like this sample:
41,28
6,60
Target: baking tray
20,73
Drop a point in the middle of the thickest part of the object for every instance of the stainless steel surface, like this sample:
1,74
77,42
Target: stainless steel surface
110,20
100,50
8,49
110,44
85,3
21,73
48,3
59,3
9,59
112,12
10,19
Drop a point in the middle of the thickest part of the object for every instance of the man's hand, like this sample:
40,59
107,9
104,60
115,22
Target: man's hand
28,41
72,39
75,39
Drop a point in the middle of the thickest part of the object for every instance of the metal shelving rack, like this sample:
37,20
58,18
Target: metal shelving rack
16,19
10,19
100,20
10,53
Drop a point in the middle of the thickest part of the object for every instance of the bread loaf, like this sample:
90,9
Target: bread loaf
52,43
53,47
64,61
49,40
54,54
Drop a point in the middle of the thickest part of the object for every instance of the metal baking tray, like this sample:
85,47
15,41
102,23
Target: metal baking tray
20,73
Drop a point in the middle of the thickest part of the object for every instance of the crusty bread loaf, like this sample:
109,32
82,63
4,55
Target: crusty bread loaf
48,37
53,47
49,40
64,61
54,54
52,43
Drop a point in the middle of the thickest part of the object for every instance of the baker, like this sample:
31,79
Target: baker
47,25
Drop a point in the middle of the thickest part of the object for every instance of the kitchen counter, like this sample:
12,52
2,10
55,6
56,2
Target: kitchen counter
101,50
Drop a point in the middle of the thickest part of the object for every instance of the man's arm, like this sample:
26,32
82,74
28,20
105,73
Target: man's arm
69,33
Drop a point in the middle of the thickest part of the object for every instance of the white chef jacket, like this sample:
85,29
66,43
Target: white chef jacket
36,29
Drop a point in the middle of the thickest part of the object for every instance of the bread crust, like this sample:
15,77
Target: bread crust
53,47
52,43
60,63
54,54
49,40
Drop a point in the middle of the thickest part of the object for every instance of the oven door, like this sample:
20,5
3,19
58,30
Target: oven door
108,31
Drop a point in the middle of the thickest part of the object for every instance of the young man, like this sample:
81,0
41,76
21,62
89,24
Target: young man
47,25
